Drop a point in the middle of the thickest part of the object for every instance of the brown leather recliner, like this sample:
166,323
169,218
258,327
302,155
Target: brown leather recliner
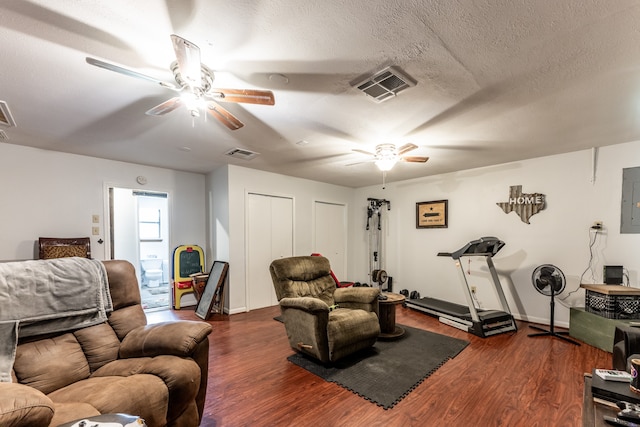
158,372
322,320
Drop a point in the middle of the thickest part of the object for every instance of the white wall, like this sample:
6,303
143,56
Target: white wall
237,182
50,194
218,219
217,186
558,235
44,193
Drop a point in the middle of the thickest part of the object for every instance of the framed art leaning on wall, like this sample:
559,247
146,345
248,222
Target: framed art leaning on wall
432,214
212,299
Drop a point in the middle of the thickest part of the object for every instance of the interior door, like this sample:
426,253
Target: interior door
331,235
269,236
142,240
123,230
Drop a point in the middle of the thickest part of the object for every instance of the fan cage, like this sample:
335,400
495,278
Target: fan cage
612,306
556,273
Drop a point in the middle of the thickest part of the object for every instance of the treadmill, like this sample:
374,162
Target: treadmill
483,323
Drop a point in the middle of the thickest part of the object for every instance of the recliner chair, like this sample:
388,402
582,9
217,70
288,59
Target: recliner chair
626,344
323,321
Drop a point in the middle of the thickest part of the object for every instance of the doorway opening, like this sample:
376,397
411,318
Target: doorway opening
139,233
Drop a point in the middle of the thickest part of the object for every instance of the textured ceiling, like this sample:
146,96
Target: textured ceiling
498,81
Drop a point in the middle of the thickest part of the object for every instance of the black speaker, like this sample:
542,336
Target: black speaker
612,274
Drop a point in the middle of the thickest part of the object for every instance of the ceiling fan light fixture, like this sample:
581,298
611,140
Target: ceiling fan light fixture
385,164
386,157
193,103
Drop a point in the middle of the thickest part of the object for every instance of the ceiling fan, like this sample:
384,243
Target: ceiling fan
194,82
386,155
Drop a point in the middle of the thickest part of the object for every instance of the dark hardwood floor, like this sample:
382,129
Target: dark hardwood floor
505,380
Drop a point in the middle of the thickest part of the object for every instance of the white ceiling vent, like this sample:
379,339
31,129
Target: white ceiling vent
385,84
3,136
5,115
240,153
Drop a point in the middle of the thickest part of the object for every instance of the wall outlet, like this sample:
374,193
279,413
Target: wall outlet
95,219
95,231
597,225
473,289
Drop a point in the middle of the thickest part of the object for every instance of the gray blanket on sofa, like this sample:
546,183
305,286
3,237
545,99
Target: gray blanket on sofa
48,296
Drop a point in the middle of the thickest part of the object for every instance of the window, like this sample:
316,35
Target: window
149,224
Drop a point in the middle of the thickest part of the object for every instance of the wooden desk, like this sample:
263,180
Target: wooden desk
387,316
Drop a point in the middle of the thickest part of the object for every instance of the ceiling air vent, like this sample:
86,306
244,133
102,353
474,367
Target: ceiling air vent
385,84
240,153
5,115
3,136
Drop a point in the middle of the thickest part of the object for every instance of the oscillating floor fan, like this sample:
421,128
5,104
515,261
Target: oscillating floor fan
549,281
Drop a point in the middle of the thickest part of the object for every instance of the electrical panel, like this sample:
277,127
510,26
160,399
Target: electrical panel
630,211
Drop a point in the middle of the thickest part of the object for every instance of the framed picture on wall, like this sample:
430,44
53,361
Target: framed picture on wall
432,214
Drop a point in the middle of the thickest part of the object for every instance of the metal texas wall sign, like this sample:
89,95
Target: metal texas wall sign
524,204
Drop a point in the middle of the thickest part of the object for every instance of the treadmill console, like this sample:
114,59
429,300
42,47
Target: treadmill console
484,246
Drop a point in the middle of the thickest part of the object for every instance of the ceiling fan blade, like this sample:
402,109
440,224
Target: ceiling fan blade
364,152
164,108
359,163
130,73
247,96
414,159
188,57
224,116
406,148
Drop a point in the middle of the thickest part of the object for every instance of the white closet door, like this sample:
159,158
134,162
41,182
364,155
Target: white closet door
281,228
269,236
331,236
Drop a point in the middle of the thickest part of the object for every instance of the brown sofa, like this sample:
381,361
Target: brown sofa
157,372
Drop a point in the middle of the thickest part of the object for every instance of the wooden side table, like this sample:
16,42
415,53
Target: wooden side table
387,316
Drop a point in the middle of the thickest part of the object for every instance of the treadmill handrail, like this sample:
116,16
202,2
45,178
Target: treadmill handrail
449,254
495,243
